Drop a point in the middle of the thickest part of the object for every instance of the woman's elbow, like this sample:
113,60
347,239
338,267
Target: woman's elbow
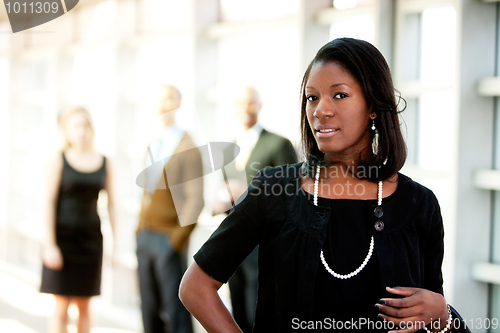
196,285
184,289
189,285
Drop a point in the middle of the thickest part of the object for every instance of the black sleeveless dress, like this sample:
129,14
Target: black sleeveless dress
78,234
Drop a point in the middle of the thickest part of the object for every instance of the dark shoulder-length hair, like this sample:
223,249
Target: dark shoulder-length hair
367,65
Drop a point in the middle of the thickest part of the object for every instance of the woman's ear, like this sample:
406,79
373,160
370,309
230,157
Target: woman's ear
373,115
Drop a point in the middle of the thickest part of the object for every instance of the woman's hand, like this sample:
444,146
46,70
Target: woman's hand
52,257
418,305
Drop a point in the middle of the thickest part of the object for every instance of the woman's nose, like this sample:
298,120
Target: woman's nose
324,109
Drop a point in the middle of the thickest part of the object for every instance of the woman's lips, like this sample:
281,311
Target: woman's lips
326,133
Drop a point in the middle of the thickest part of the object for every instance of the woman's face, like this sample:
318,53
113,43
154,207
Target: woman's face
78,130
337,111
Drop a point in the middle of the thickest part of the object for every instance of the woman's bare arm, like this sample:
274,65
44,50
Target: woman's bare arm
198,293
110,190
52,256
109,186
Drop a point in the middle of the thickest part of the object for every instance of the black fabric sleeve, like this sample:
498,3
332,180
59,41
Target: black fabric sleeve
434,250
237,235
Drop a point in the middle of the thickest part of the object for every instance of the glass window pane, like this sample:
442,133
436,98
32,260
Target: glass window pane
345,4
244,10
411,47
164,15
495,249
34,76
4,132
256,59
436,132
4,36
359,26
126,18
409,126
93,84
25,125
168,61
96,22
438,46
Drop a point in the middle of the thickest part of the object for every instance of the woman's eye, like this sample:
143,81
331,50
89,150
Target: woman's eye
311,98
340,95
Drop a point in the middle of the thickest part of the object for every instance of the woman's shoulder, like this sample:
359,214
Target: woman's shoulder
414,187
54,160
414,195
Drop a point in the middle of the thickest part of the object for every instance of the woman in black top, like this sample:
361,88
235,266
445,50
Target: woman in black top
73,247
336,231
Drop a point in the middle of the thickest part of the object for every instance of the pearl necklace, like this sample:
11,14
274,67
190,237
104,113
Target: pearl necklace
372,242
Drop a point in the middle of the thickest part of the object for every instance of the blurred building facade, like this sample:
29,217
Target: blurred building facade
109,55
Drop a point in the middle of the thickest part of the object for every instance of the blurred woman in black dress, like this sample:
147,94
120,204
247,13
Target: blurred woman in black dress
73,248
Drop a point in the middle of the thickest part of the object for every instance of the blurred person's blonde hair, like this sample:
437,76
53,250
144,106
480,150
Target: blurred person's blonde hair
63,119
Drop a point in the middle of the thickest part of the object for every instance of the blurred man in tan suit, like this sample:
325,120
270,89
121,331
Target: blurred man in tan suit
160,237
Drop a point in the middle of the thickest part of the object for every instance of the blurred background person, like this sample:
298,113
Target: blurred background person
259,148
161,240
73,249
